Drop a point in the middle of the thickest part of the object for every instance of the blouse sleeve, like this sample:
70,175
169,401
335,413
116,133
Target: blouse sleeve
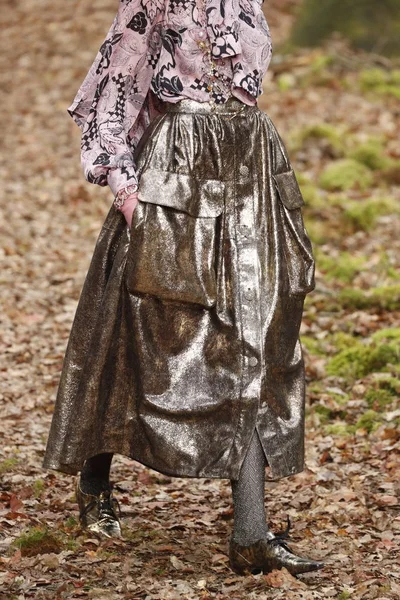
110,105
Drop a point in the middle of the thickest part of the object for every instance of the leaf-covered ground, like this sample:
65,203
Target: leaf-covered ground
339,115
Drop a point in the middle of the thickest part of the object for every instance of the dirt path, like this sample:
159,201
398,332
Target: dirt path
345,505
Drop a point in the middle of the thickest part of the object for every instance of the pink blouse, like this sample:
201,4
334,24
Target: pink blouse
152,52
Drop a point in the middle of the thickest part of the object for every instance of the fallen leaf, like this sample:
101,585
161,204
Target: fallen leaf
15,503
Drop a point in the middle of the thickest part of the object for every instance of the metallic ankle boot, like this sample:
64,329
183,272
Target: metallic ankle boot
268,554
97,513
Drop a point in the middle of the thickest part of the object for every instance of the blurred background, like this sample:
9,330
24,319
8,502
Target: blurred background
333,91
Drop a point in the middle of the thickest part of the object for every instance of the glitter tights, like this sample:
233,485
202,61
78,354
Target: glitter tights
250,523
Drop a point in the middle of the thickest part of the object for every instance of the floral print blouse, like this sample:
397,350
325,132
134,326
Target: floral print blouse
151,53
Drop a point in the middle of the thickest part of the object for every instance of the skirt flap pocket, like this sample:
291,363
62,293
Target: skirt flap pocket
175,237
289,190
198,198
296,244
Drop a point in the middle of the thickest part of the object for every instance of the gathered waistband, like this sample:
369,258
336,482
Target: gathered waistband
232,107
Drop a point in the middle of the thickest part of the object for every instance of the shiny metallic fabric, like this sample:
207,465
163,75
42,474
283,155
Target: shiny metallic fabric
99,513
267,555
186,336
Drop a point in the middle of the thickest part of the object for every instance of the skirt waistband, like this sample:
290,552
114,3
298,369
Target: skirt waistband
232,106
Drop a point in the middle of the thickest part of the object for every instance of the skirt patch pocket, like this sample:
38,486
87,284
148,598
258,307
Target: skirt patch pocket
297,244
174,237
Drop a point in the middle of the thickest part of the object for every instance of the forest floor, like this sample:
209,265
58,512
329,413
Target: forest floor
339,115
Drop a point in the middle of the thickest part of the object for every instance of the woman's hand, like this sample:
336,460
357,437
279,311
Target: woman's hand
129,206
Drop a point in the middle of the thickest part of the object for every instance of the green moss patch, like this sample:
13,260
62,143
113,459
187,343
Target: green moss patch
362,215
387,334
327,136
328,414
346,174
371,154
324,413
312,196
8,465
369,421
359,360
378,398
71,522
36,541
378,298
343,267
38,487
319,231
340,428
286,81
342,341
391,174
312,345
381,81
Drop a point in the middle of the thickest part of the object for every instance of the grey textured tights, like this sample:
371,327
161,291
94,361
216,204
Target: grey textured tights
248,490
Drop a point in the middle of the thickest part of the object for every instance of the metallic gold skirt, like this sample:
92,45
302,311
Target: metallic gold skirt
186,335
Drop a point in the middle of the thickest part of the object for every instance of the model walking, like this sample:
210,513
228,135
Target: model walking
184,353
